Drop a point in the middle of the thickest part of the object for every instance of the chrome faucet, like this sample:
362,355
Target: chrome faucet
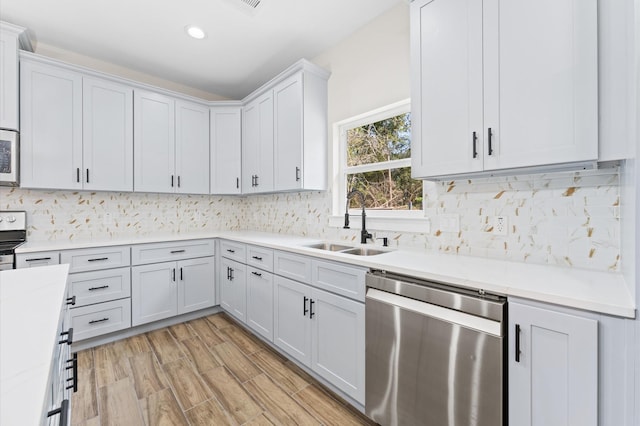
364,235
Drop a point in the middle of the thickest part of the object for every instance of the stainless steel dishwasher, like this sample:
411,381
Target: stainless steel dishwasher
434,354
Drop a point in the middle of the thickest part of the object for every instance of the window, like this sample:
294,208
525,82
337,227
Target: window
374,157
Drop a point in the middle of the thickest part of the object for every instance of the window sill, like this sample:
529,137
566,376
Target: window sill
395,224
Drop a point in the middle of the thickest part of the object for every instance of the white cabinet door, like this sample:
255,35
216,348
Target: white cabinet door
154,142
192,148
226,150
446,98
288,132
260,302
51,126
107,135
233,288
291,325
196,284
541,82
9,76
502,85
257,145
153,292
338,346
554,378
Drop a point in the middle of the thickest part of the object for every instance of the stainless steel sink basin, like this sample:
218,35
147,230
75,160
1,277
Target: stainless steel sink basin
362,251
330,246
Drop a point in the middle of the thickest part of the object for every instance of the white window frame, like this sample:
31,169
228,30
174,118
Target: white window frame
400,220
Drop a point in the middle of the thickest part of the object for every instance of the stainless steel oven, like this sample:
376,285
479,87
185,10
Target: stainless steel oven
9,158
13,233
434,353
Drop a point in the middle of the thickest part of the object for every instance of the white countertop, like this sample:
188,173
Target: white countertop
603,292
30,305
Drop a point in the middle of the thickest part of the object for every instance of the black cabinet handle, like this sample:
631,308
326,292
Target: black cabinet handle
253,180
78,175
98,259
172,181
304,306
257,181
74,367
100,320
231,251
173,274
98,288
297,174
63,411
475,145
181,279
257,274
257,257
489,135
69,339
37,259
87,175
177,251
178,181
71,300
517,342
237,183
311,313
228,273
231,274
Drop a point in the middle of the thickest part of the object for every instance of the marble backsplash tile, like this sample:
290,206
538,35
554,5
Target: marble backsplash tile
568,219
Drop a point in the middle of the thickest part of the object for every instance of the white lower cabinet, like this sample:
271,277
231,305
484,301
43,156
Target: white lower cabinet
322,330
553,367
233,288
260,302
163,290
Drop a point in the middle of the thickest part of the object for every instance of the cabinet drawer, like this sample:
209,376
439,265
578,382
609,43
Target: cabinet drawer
102,318
83,260
292,266
42,258
177,250
233,251
100,286
260,258
339,278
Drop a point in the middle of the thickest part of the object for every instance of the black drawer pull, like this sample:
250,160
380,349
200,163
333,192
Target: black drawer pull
257,274
231,251
37,259
518,343
304,306
230,274
177,251
257,257
173,274
98,259
474,152
71,300
63,411
69,339
74,367
311,313
489,136
98,288
97,321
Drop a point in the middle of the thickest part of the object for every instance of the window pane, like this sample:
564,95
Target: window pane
385,140
391,189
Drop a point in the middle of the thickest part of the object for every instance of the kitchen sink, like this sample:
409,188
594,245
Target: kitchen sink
362,251
330,247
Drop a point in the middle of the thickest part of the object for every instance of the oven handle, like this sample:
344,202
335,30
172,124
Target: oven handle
434,311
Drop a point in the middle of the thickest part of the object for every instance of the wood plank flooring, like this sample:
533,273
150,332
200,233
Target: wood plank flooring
208,371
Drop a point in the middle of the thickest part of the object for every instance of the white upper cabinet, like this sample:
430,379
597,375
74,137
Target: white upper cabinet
300,144
9,42
226,150
503,85
192,148
171,149
51,126
257,145
107,135
154,147
77,131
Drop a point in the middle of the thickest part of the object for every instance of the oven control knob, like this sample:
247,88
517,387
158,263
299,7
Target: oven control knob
11,219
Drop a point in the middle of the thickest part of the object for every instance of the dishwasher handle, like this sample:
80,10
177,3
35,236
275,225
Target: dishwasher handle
438,312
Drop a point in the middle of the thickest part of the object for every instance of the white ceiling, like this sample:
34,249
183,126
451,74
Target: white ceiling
243,48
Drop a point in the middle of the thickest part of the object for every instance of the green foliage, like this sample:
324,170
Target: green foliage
385,140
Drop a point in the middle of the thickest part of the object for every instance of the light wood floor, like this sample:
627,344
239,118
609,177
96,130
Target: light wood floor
208,371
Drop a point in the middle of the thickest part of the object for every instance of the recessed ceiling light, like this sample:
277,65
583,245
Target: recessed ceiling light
195,32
